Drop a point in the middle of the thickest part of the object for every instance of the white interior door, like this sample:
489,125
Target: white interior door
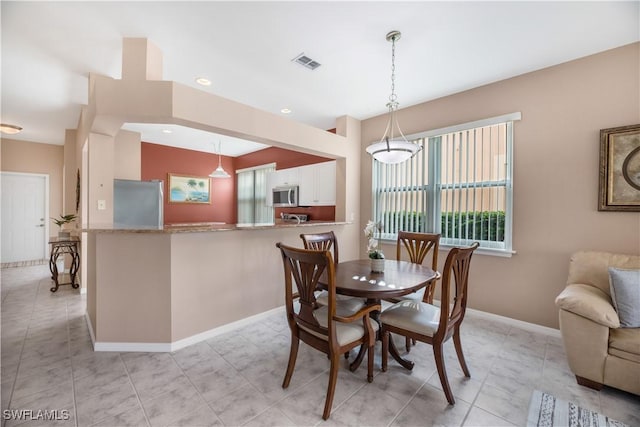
25,225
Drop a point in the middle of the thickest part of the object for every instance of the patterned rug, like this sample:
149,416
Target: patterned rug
547,411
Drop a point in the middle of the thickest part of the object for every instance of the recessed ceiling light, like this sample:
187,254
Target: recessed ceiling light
203,81
285,111
9,129
167,131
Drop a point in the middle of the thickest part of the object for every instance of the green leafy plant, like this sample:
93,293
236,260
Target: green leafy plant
64,219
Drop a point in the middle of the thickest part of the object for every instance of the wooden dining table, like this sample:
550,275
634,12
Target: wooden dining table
355,278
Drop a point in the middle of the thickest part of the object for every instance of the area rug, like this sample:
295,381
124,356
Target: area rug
547,411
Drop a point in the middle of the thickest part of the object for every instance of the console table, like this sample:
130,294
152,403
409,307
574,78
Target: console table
60,247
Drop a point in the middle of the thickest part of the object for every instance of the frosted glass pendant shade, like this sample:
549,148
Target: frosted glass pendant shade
219,172
396,151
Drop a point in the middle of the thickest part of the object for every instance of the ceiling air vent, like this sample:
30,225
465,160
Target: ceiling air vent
307,62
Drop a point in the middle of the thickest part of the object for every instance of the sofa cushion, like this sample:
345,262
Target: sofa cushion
625,343
591,267
625,294
590,302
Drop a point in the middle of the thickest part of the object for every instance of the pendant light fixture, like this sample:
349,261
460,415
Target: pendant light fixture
393,147
219,172
9,129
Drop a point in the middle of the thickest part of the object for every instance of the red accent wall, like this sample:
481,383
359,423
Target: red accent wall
160,160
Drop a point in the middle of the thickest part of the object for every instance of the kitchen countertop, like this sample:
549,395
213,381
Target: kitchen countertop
198,227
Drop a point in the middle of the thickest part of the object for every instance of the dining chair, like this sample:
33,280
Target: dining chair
327,241
430,324
325,328
418,246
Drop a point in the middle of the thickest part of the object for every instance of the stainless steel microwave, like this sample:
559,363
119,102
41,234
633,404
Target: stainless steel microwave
285,196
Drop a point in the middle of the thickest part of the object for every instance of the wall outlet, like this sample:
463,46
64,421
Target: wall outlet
102,205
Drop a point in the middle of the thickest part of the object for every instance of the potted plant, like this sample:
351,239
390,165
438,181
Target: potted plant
60,222
375,254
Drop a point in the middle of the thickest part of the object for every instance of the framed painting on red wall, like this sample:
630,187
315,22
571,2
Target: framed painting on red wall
189,189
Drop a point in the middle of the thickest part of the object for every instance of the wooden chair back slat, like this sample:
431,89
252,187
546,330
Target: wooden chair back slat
456,273
418,245
326,241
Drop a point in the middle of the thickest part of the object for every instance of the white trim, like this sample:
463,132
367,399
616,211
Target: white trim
83,290
483,251
91,334
466,126
176,345
517,323
513,322
266,166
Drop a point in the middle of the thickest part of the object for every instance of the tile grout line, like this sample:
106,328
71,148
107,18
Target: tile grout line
73,383
410,399
194,386
273,405
484,380
24,339
135,390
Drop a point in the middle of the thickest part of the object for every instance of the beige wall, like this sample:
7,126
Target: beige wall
556,149
32,157
161,288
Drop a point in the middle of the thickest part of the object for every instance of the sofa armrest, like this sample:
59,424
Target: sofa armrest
590,302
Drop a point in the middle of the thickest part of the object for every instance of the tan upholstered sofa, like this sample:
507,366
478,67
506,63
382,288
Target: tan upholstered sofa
599,351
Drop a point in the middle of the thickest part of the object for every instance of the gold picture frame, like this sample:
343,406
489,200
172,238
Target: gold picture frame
619,188
189,189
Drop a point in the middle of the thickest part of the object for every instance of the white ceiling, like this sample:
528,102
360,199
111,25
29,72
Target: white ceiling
246,48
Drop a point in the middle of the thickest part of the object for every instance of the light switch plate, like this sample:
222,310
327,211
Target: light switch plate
102,205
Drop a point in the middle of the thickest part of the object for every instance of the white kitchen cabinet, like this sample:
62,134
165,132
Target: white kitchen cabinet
317,184
279,178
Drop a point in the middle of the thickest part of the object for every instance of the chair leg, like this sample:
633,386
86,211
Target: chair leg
370,363
458,344
385,349
407,344
293,354
331,388
442,373
358,360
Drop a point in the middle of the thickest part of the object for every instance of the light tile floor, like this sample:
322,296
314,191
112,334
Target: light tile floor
235,379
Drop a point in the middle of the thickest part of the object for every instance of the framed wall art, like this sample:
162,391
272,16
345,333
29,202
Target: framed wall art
619,188
189,189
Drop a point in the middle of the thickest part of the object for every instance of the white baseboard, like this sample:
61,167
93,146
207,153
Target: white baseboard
91,334
518,323
194,339
176,345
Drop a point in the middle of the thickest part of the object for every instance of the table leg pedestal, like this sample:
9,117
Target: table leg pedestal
407,364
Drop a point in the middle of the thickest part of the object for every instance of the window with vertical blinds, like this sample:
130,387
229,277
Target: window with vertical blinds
252,195
458,185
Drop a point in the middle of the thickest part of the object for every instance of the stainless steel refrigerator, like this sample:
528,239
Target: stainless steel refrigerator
138,204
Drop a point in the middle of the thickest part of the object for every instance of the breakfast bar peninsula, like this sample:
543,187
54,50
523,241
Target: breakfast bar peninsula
161,290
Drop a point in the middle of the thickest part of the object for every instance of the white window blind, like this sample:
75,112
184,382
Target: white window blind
459,185
252,193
